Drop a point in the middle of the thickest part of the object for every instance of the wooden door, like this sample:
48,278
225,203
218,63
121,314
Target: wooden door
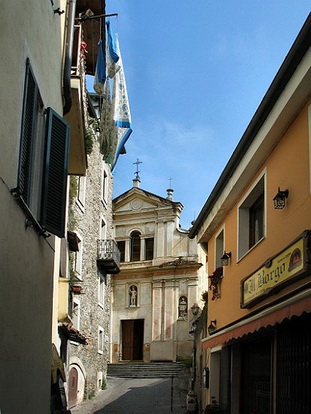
73,387
132,340
127,340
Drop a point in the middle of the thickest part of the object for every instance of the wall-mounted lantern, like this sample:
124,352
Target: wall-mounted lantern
212,327
280,199
225,258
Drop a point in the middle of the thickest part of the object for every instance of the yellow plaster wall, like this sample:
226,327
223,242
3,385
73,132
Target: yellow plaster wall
286,167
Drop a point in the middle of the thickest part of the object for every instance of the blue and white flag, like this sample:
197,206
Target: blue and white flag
113,55
100,71
121,109
116,116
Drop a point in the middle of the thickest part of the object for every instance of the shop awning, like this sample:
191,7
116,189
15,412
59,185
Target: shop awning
295,306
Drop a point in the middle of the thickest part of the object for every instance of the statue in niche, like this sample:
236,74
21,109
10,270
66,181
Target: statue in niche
133,295
183,308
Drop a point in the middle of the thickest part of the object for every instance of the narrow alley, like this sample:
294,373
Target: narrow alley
139,396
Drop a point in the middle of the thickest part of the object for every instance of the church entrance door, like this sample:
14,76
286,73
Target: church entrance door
132,339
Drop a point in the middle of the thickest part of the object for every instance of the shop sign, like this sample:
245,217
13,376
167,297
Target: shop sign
276,273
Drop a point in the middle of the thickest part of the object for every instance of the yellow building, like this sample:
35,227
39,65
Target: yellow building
258,220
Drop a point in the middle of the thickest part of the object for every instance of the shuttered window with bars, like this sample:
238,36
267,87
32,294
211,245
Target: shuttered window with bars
42,174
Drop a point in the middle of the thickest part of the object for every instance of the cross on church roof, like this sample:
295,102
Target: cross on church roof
137,172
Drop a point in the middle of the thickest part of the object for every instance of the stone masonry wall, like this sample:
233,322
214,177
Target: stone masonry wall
87,223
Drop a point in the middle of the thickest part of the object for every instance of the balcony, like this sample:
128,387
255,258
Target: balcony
77,114
108,256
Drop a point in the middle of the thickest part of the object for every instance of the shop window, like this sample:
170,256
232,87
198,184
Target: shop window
252,218
149,246
135,246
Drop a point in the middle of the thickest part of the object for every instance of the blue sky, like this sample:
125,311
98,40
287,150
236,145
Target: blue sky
196,71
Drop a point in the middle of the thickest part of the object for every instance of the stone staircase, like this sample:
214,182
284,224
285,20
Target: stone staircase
145,369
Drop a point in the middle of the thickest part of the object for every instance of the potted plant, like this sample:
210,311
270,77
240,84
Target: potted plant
215,280
213,407
76,289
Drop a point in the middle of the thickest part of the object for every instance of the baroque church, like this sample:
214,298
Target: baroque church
156,295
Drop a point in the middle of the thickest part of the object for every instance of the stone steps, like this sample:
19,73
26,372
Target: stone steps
145,369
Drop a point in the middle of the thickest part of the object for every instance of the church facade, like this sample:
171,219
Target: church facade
155,296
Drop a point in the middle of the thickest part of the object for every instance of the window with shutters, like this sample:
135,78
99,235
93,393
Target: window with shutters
42,173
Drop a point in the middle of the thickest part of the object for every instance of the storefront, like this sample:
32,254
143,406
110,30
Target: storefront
261,364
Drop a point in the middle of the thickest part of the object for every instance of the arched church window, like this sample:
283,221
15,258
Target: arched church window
135,246
183,308
133,296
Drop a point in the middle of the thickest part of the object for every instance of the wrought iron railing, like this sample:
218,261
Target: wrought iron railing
108,252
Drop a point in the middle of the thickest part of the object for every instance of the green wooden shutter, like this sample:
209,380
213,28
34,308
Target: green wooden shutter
53,209
27,133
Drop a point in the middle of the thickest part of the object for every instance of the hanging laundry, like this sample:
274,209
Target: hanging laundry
121,110
113,56
100,71
115,116
108,128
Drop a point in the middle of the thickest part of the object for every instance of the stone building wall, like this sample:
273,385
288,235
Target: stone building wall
86,221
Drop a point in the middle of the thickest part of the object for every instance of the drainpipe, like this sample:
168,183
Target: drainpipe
68,56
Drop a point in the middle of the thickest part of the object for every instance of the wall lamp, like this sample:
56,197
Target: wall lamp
280,199
225,258
212,327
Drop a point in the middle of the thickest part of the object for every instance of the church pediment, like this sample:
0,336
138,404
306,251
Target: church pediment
137,200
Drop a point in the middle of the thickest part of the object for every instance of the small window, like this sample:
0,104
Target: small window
121,247
105,186
77,265
149,245
219,249
103,229
135,246
81,190
256,220
100,340
252,218
101,289
76,313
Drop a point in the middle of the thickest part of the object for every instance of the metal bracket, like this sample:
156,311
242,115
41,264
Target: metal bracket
58,11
